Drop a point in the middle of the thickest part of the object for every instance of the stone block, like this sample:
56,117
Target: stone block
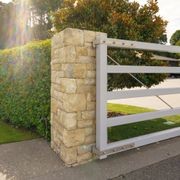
87,115
81,51
91,66
55,67
68,70
89,36
91,97
73,138
68,120
91,74
54,105
74,70
85,123
84,157
85,89
74,102
92,52
79,71
70,54
90,131
58,40
86,59
68,85
68,155
91,106
85,149
73,37
90,139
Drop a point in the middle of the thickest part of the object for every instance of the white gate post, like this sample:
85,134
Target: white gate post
101,92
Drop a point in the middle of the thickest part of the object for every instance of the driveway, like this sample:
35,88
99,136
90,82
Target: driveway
154,102
34,160
164,170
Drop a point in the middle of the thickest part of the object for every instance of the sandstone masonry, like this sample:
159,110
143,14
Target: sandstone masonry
73,95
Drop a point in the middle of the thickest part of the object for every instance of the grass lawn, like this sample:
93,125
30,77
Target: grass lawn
10,134
140,128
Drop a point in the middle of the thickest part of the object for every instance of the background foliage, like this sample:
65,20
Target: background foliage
26,20
120,19
25,86
175,38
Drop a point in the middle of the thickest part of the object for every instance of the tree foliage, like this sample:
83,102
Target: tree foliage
120,19
175,38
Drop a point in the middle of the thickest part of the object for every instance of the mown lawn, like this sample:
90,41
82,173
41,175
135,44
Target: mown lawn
10,134
141,128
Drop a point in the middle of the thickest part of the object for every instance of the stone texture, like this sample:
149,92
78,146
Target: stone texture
68,120
74,137
54,105
88,115
68,155
58,41
70,54
68,85
73,95
74,70
91,74
82,51
79,71
86,59
84,149
89,131
84,157
85,123
74,102
73,37
90,139
89,36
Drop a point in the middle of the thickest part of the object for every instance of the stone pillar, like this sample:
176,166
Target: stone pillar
73,90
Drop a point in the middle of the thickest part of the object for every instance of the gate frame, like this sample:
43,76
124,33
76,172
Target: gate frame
103,148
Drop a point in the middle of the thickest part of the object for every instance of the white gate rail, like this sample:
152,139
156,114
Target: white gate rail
142,69
141,93
103,148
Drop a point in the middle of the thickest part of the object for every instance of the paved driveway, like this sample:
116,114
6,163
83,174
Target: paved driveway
34,160
164,170
154,102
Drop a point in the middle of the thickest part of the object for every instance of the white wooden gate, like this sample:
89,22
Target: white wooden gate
103,148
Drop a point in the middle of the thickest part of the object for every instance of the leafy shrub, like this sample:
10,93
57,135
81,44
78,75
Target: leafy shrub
25,86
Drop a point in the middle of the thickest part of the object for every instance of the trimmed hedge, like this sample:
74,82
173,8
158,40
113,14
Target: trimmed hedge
25,86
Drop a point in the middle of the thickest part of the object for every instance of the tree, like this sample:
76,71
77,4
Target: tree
7,21
26,20
175,38
41,17
120,19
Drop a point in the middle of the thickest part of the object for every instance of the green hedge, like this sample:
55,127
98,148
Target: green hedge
25,86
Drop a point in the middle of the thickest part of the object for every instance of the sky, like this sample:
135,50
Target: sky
169,10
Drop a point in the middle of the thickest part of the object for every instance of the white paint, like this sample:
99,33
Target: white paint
102,122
